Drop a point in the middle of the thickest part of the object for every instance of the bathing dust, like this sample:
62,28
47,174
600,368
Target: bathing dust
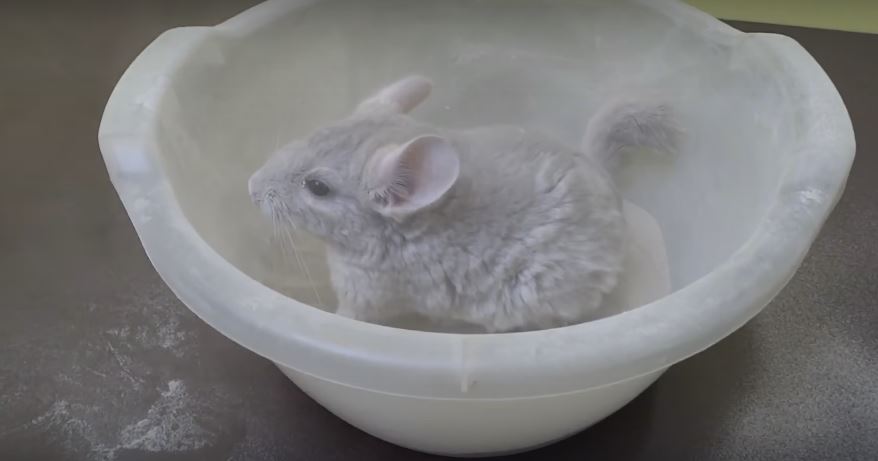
127,383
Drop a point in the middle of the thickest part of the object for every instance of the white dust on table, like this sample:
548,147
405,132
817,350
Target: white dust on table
168,425
117,387
166,335
71,422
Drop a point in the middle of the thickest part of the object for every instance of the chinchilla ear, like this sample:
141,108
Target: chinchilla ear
405,179
399,97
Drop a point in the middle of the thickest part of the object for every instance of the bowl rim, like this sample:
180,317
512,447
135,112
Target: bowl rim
480,366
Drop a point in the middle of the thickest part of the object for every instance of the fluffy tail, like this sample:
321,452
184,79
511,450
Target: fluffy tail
631,123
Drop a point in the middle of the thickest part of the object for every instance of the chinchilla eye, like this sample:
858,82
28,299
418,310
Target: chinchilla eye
317,187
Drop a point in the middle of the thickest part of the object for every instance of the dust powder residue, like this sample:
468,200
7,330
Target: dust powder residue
168,425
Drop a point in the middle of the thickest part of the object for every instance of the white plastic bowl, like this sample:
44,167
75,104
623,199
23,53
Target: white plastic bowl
768,151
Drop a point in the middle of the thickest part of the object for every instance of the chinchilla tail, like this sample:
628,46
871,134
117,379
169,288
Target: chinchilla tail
630,124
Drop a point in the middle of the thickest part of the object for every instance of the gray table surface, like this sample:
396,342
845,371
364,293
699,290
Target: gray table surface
98,360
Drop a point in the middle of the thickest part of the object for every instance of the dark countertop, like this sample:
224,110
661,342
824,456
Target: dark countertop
98,360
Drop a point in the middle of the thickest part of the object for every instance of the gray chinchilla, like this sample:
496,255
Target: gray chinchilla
496,226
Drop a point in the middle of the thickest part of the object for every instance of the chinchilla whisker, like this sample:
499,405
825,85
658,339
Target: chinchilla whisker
288,230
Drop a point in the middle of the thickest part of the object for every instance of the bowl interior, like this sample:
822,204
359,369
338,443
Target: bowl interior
545,65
